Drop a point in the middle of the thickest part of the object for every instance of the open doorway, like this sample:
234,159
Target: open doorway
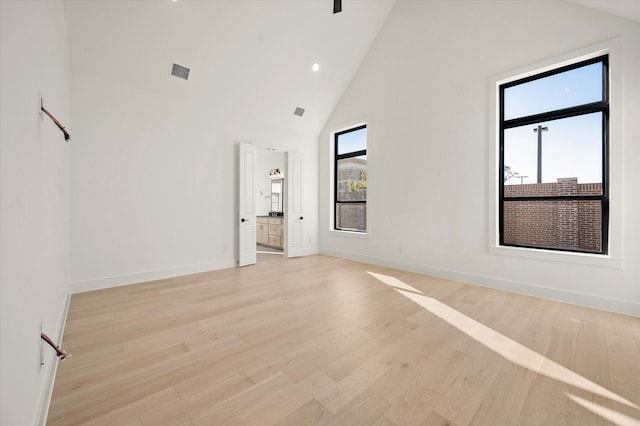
256,190
270,202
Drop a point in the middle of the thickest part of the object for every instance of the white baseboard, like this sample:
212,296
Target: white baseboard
138,277
574,298
51,370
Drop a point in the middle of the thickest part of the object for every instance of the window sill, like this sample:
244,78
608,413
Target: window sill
350,234
600,260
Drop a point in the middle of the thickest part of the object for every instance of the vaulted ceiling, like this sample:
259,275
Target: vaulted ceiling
252,58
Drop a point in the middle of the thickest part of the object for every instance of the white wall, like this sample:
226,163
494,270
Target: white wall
154,185
34,194
266,161
154,173
424,92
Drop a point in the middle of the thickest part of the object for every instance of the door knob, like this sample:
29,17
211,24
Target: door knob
243,220
301,217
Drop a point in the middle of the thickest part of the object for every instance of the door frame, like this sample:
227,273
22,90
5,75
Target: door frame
286,207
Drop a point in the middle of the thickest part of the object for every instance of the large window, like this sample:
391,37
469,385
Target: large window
350,180
553,163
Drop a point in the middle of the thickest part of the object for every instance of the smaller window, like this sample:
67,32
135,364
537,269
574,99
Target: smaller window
350,180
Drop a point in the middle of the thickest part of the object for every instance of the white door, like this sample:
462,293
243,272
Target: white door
294,215
247,206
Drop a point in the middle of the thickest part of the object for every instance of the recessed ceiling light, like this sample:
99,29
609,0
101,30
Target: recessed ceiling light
315,67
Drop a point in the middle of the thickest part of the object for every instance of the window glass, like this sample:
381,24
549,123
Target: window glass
351,217
570,147
573,225
567,89
352,141
352,179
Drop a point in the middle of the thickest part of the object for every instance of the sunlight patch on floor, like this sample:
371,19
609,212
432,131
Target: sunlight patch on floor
501,344
604,412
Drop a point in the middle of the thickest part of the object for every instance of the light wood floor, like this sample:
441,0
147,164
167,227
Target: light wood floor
320,340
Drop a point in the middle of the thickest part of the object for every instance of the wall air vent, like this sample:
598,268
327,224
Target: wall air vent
180,71
299,112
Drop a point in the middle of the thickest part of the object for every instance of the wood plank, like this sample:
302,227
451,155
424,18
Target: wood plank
196,400
366,409
353,385
312,413
231,409
414,405
286,401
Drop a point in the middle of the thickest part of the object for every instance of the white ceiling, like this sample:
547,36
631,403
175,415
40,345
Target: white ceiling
629,9
251,58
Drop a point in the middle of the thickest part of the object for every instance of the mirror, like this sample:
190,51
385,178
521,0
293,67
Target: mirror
276,197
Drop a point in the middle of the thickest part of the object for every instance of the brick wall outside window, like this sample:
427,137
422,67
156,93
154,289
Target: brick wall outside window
352,216
566,224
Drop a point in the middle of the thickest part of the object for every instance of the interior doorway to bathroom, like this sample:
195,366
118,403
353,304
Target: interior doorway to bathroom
270,202
282,230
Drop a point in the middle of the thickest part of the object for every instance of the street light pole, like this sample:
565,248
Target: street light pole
539,131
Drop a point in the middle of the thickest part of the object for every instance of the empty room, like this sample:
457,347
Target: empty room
319,212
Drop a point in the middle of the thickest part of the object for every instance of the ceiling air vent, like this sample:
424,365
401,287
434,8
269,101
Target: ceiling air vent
299,112
180,71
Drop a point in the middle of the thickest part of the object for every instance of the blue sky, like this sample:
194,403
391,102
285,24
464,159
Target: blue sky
353,141
572,147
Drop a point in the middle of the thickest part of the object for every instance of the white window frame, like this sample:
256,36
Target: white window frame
614,257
